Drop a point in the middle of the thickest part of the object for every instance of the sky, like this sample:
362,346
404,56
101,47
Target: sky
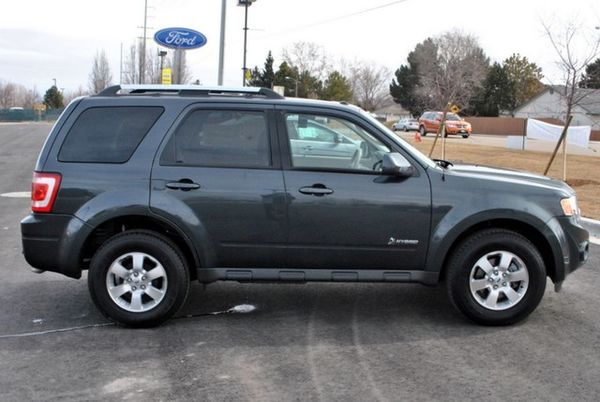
45,40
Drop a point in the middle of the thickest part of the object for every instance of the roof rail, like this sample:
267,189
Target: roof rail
189,90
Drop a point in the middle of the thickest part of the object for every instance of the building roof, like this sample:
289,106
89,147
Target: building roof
590,98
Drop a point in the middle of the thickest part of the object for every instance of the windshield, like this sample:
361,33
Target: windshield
452,117
415,153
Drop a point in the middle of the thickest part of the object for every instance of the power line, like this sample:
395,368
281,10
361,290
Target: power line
341,17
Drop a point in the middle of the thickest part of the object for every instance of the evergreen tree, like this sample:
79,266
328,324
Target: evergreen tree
336,87
496,94
53,99
286,76
591,78
263,78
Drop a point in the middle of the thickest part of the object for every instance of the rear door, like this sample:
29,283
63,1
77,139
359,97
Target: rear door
352,216
216,176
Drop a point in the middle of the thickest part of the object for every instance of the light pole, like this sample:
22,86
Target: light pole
245,4
54,79
222,42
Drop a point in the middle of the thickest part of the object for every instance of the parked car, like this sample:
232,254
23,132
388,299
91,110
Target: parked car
429,122
150,187
406,124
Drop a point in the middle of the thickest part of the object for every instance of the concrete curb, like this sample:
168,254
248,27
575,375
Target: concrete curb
592,226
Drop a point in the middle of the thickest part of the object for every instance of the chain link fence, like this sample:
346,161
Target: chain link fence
18,115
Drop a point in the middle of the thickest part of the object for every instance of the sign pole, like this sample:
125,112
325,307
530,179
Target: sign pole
564,159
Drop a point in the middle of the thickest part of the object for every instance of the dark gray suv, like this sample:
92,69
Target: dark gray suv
150,187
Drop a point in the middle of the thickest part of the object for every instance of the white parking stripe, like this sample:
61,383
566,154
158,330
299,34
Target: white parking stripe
17,194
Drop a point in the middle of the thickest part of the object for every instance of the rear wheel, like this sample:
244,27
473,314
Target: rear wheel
138,278
496,277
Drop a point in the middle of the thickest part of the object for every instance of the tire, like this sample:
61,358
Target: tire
147,274
507,288
405,129
465,135
422,131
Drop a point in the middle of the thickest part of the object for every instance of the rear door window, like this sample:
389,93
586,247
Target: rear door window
220,138
108,134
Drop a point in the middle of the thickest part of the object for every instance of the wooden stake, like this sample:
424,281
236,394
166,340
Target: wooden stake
442,124
560,140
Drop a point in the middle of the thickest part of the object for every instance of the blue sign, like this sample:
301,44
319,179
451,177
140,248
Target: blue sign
180,38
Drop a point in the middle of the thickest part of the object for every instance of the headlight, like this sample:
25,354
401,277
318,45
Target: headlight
569,206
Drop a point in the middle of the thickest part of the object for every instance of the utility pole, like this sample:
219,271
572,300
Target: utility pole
222,43
121,65
143,52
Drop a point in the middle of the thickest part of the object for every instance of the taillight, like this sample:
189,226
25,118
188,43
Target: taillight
44,188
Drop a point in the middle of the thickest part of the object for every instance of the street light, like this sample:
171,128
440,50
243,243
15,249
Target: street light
245,4
296,82
161,54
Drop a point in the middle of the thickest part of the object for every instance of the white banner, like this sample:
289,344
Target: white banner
576,135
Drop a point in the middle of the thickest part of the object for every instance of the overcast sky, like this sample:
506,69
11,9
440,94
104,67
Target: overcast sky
41,40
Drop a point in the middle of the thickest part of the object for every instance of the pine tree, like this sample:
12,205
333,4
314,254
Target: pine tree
591,78
336,87
53,99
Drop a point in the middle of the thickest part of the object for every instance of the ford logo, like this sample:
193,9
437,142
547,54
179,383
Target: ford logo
180,38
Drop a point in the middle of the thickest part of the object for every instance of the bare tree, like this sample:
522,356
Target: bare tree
100,77
369,83
307,57
575,52
30,97
455,71
8,95
130,63
70,95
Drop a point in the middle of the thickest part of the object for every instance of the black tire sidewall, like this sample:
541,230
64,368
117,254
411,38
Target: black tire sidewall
159,248
475,247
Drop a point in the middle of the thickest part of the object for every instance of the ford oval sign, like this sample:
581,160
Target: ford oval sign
180,38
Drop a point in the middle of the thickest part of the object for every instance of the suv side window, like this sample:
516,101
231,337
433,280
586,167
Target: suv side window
107,134
220,138
318,141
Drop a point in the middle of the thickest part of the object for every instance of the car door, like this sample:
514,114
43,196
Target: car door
353,217
216,176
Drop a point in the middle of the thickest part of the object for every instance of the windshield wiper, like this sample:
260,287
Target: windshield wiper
443,163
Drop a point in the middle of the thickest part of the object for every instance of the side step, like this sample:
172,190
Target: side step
207,275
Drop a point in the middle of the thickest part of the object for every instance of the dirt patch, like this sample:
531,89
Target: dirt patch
583,172
581,182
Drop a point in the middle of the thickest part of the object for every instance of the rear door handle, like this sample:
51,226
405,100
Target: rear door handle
183,184
316,189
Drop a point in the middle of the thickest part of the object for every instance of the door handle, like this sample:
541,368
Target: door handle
316,189
183,185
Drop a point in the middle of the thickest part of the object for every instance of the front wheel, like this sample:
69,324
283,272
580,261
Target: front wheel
496,277
465,135
422,131
138,278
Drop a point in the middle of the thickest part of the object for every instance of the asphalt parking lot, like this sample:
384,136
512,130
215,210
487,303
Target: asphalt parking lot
322,342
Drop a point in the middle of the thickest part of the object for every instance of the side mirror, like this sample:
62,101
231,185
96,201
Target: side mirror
394,164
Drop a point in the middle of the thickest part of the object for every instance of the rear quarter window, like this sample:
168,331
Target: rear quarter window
108,134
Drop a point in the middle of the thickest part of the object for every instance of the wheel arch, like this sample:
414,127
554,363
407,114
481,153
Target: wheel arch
108,228
525,229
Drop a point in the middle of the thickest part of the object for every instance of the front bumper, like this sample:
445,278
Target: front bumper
574,242
53,242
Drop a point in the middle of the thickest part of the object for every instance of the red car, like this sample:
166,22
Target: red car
429,122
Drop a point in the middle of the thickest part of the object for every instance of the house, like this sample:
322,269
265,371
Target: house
550,104
392,112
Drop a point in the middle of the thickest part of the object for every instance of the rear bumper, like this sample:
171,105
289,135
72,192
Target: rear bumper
52,242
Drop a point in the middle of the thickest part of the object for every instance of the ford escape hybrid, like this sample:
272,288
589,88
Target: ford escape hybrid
150,187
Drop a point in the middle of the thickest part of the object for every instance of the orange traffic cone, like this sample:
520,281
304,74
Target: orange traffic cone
417,136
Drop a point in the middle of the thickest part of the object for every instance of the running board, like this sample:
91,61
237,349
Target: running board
207,275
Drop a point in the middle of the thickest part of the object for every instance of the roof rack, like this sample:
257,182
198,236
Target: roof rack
189,90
